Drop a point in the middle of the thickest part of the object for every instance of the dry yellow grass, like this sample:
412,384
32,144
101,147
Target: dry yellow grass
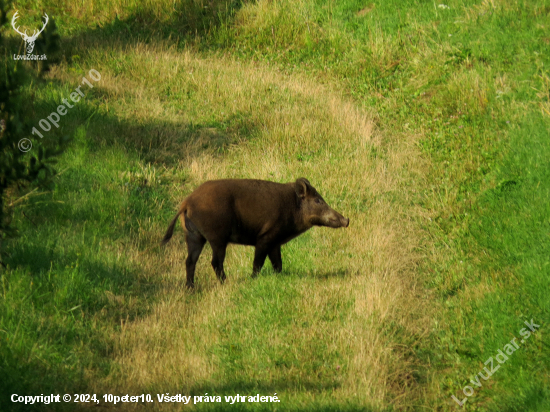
300,128
340,325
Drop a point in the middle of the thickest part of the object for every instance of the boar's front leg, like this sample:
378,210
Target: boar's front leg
262,251
218,256
259,258
276,260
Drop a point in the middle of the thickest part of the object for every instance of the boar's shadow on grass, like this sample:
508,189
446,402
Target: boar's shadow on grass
289,272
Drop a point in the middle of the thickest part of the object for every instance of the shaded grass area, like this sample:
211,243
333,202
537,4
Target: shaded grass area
469,80
110,206
68,283
469,77
198,345
67,286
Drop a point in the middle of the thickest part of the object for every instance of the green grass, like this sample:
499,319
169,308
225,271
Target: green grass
58,303
508,230
468,82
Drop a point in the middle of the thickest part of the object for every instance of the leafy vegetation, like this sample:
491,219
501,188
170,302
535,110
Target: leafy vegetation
18,170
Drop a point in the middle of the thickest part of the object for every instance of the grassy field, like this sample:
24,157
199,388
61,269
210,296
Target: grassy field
426,124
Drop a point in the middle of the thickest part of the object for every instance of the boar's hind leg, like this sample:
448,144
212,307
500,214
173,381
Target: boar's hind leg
218,256
276,260
195,243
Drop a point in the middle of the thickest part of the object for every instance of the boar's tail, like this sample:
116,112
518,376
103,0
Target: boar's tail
170,230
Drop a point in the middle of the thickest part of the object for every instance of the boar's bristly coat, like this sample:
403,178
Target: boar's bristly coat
249,212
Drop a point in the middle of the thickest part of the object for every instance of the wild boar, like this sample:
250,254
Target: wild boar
249,212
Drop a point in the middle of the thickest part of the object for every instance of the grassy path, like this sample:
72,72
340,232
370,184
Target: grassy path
425,124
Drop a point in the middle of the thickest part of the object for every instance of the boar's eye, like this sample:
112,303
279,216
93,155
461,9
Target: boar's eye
317,200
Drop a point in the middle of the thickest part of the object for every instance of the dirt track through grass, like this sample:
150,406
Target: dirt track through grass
425,124
331,327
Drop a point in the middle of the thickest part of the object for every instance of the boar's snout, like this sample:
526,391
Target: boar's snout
336,220
315,211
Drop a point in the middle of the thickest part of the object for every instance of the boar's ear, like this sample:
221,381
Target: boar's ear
302,187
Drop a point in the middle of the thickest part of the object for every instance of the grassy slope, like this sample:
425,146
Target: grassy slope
88,300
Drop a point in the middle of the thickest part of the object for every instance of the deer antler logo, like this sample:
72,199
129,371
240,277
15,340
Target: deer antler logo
29,40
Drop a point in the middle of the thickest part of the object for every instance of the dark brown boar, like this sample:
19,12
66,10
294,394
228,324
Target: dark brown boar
249,212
